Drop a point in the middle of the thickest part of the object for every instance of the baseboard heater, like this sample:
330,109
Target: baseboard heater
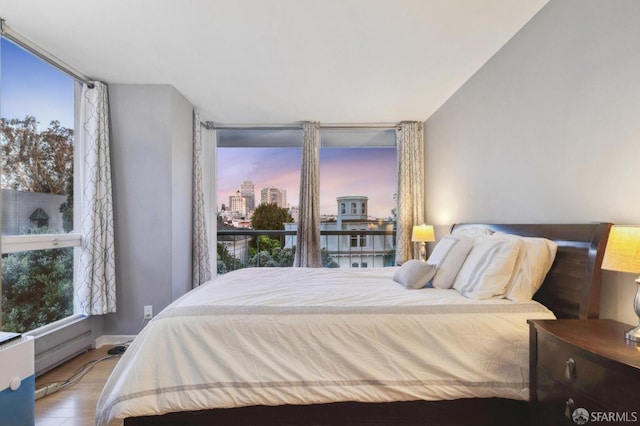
61,341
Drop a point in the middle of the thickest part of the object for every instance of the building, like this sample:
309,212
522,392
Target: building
346,246
241,223
235,246
294,212
247,190
273,195
238,204
22,210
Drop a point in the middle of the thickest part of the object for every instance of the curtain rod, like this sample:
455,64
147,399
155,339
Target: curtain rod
36,50
218,126
295,126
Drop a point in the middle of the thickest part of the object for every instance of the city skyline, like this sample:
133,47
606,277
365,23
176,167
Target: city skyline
370,172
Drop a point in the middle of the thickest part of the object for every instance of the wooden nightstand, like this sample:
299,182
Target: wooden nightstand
584,364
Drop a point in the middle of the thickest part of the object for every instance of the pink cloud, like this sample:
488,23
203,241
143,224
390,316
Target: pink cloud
358,171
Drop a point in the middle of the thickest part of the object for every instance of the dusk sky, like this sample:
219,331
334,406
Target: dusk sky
369,172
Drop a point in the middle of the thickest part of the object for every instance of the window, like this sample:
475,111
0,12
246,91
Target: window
36,140
359,162
359,240
358,167
358,179
259,167
257,178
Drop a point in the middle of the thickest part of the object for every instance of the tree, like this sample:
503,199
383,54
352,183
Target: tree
268,252
37,287
270,216
327,260
276,257
272,255
226,261
36,161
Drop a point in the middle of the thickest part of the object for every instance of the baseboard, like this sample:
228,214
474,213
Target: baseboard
60,341
113,339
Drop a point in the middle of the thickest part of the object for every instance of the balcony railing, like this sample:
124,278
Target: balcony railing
241,248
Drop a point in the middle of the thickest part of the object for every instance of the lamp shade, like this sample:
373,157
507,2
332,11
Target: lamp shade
623,250
423,233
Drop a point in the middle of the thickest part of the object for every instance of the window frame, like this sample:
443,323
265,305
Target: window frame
39,242
33,242
331,136
359,240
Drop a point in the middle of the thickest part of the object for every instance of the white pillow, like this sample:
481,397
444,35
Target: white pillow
472,231
488,269
448,256
532,266
414,274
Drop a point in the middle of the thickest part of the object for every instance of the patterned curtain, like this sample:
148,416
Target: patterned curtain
201,267
208,164
308,236
96,291
410,139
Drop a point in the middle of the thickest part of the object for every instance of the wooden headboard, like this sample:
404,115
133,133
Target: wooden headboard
572,286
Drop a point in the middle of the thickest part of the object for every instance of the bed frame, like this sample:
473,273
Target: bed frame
572,286
571,290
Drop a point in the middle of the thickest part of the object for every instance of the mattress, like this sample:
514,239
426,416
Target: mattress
273,336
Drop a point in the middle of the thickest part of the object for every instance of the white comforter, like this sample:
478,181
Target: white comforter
271,336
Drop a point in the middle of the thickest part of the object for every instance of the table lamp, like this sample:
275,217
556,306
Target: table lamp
423,234
623,255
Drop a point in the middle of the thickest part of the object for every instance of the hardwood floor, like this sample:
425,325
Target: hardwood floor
75,405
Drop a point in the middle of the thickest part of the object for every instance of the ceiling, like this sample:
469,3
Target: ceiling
280,61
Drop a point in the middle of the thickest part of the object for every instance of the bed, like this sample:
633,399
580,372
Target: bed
302,346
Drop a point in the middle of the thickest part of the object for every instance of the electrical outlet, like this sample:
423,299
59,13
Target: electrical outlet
148,312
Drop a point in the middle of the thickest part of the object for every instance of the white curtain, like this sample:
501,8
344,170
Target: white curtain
308,235
201,269
96,291
208,164
410,140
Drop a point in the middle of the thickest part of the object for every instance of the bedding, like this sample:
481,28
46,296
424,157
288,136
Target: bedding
273,336
531,268
414,274
487,270
448,256
472,231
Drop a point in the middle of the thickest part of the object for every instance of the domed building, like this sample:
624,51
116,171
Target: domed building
352,239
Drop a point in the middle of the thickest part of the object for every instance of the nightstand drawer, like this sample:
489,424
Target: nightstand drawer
564,367
559,409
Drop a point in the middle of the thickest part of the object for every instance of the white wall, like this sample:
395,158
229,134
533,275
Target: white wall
151,167
547,131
